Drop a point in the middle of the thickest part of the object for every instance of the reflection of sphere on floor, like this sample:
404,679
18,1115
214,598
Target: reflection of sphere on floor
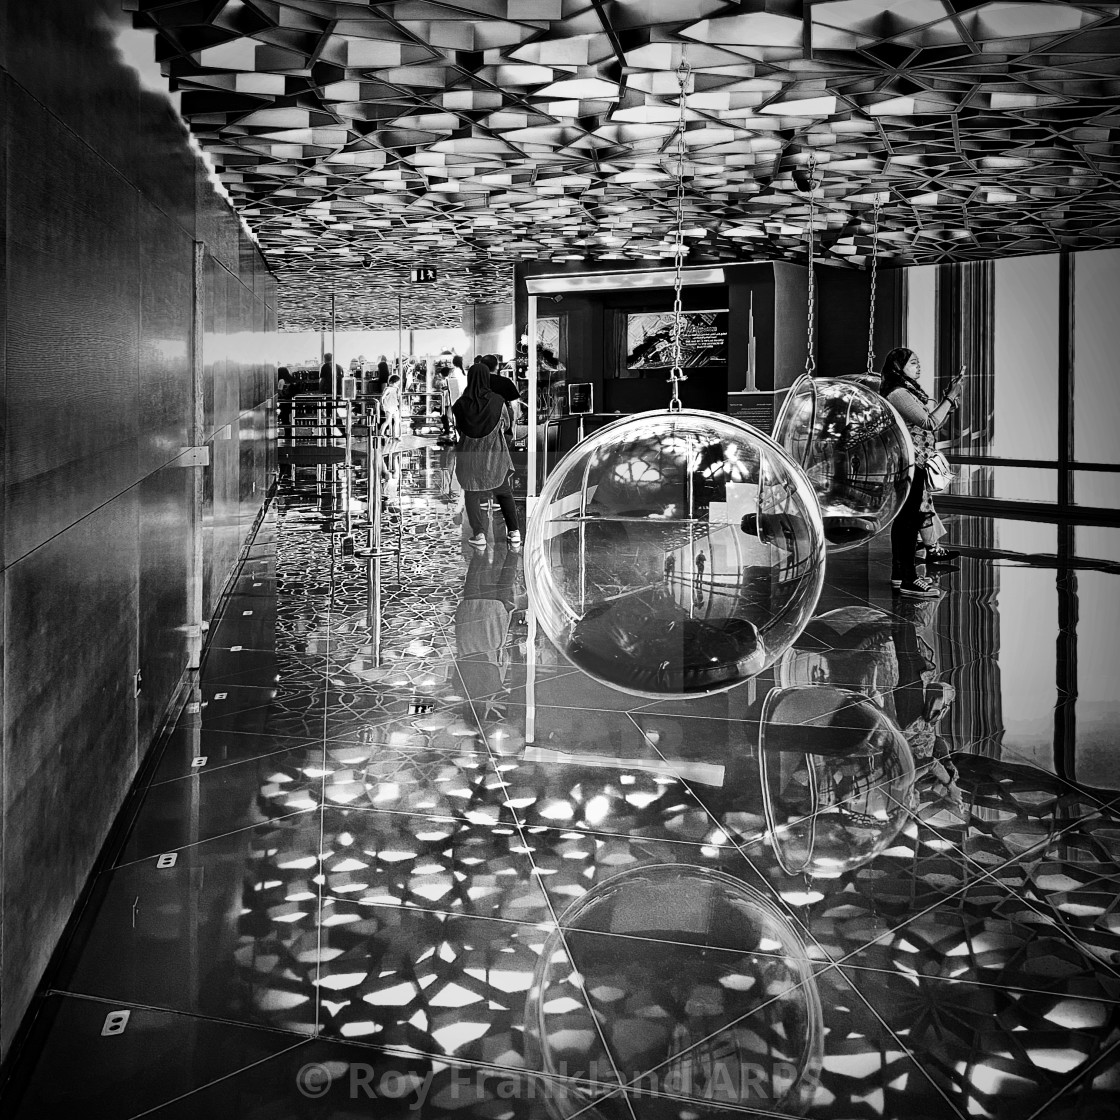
837,778
855,450
685,986
850,647
675,553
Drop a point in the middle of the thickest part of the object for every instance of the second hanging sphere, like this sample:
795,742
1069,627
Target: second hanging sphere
855,450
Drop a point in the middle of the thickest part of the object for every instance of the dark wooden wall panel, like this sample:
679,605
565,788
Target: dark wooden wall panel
70,748
103,200
65,56
6,90
166,265
165,526
73,292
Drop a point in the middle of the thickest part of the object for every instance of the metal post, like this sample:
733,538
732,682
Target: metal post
371,431
196,437
375,495
531,678
374,574
531,372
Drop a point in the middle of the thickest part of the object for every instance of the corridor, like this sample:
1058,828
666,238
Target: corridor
337,888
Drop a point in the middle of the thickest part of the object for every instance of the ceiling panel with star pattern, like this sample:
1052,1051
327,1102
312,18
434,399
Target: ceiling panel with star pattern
362,140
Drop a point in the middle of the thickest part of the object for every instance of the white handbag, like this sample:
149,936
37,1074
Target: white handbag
938,474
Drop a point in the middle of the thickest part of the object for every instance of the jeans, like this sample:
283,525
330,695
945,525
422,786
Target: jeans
905,529
472,499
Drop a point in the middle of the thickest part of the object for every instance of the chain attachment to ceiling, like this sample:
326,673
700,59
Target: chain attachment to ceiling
677,374
811,184
874,283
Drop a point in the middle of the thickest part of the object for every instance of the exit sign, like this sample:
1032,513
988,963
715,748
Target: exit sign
423,275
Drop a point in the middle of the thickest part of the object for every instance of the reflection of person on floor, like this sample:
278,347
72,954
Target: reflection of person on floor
482,631
922,698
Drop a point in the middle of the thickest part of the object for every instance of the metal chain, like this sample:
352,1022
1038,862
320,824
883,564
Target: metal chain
677,374
810,358
874,282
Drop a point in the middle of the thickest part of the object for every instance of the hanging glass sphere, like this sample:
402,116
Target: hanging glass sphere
837,778
855,450
671,990
675,553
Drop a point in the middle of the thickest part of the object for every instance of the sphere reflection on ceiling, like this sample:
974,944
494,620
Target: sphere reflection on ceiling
855,450
671,554
671,990
837,778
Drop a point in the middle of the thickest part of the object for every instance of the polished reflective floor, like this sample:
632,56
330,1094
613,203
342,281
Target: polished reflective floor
399,857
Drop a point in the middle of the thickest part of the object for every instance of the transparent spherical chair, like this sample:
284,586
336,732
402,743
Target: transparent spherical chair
855,450
672,990
837,778
671,554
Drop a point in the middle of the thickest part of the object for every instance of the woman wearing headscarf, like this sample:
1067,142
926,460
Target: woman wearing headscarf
482,460
900,386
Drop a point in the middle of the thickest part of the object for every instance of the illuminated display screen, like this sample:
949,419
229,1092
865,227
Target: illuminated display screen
649,340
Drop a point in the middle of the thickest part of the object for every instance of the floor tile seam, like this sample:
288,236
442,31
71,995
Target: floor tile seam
1066,934
176,1012
1081,1075
219,1080
940,904
582,832
270,822
597,834
257,735
202,771
474,1064
976,983
518,923
1049,839
1052,837
1070,785
373,722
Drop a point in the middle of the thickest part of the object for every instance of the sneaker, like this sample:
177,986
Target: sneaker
921,588
514,538
478,540
896,579
941,555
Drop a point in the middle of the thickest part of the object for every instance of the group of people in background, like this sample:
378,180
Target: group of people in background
917,530
479,408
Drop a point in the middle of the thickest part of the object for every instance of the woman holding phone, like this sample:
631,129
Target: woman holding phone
900,386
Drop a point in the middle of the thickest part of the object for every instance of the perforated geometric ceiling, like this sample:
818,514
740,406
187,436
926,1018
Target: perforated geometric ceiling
469,134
